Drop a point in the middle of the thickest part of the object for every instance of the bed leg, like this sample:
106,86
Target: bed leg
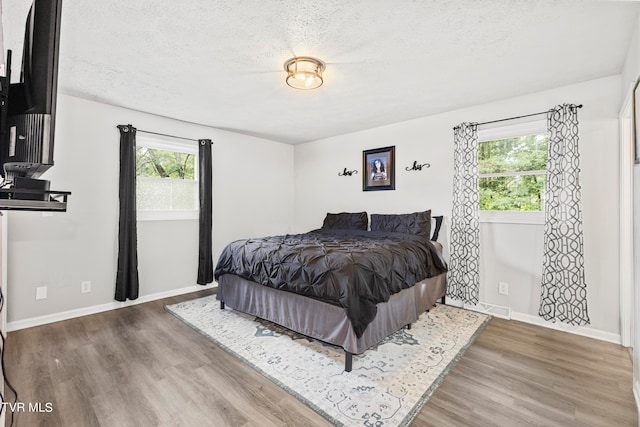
408,325
443,299
348,361
221,305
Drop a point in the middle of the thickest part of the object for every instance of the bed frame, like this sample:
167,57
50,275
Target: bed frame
327,322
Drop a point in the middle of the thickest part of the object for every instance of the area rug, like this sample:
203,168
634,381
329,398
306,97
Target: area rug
389,383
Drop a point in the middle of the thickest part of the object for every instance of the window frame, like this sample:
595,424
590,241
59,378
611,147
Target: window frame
531,127
160,143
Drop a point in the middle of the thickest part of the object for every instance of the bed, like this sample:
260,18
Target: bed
348,283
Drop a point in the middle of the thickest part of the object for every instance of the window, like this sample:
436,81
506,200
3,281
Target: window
512,164
166,179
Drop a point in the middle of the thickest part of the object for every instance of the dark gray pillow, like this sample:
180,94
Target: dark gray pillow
346,221
417,223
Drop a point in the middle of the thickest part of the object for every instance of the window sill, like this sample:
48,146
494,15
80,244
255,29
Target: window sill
512,217
167,215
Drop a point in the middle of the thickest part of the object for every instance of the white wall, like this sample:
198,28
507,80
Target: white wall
632,62
630,74
511,253
62,250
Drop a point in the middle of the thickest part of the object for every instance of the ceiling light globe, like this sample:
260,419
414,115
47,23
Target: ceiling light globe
304,72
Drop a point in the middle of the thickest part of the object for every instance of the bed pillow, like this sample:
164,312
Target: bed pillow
346,221
417,223
436,223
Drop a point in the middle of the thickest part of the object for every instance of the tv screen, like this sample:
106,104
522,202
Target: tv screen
28,128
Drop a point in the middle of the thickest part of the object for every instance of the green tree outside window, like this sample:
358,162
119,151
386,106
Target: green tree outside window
166,180
512,173
157,163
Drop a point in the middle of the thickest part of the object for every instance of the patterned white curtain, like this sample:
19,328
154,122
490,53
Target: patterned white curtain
463,279
564,291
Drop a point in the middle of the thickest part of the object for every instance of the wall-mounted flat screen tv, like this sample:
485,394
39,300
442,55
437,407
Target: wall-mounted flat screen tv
27,120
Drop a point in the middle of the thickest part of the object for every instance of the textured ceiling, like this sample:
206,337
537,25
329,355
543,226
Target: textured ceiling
219,62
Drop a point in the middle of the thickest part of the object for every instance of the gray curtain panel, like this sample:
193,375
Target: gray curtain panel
564,291
463,279
205,257
127,275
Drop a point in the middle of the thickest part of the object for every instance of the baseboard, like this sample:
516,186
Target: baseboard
578,330
85,311
491,309
539,321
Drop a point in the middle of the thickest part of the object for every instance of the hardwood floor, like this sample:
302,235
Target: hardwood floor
140,366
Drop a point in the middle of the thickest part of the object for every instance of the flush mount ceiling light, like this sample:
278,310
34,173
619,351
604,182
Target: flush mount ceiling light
304,72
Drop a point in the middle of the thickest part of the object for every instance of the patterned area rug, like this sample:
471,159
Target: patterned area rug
389,383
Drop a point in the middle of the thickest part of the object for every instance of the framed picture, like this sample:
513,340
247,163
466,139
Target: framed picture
636,120
379,169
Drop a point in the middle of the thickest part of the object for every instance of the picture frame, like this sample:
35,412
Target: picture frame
636,121
379,169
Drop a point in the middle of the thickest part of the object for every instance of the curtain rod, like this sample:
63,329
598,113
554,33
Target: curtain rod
170,136
514,118
165,134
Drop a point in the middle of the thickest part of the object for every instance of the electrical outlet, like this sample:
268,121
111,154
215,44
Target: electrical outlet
41,292
503,288
85,287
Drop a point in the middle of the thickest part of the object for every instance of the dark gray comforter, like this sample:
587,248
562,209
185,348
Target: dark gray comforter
350,268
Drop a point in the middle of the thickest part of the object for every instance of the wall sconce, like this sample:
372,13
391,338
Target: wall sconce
304,72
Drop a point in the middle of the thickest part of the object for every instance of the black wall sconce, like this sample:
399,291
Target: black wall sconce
346,172
417,166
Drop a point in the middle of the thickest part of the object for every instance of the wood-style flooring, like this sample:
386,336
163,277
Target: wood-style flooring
140,366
